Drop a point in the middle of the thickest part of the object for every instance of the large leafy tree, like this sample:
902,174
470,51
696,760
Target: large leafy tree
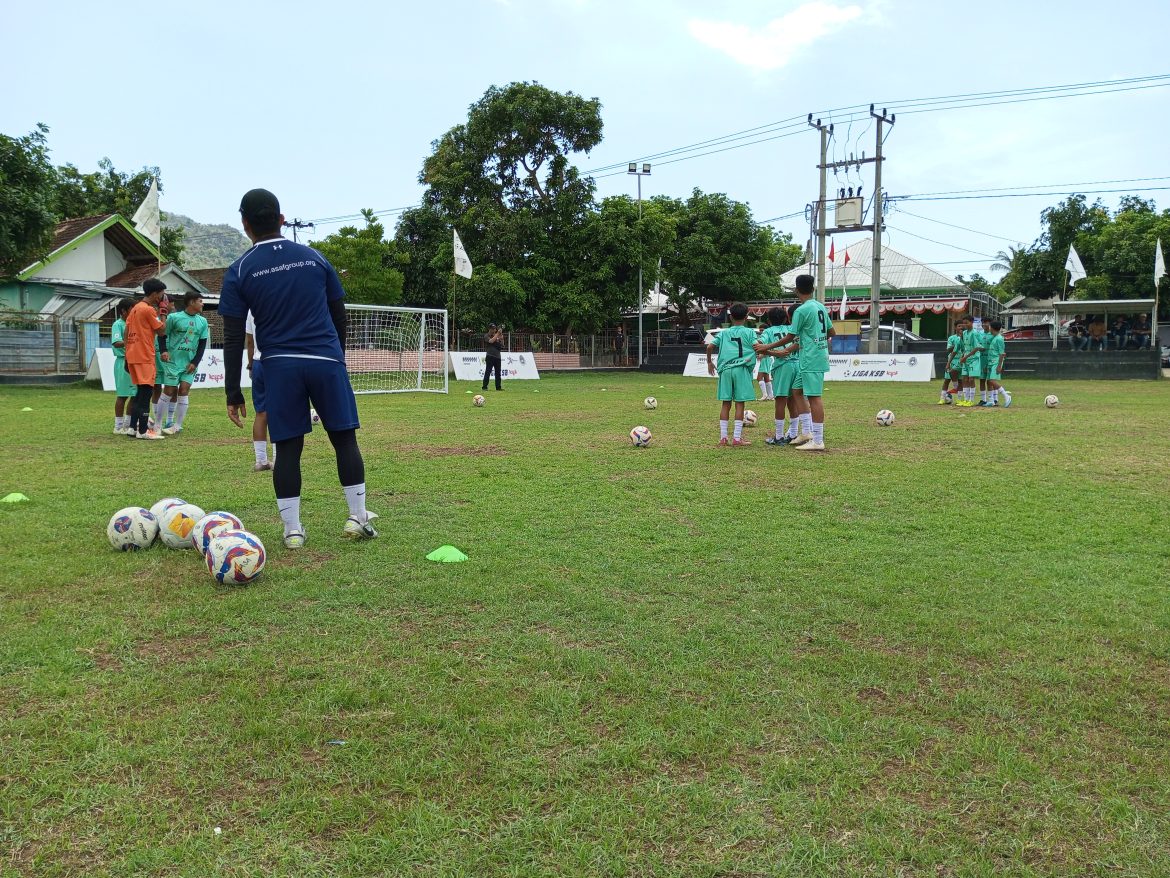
27,216
423,238
108,190
369,264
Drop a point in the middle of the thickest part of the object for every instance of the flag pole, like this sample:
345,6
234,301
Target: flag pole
454,327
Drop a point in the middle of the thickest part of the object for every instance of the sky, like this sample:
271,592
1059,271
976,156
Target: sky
335,106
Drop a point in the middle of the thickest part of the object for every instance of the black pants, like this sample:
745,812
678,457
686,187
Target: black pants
140,408
492,363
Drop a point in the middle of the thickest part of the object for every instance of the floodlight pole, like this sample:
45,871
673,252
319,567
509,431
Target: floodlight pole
633,169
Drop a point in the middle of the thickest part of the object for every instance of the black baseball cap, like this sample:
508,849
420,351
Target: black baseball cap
153,285
259,205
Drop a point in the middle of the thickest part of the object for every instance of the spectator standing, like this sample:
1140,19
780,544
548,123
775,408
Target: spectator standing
493,343
619,348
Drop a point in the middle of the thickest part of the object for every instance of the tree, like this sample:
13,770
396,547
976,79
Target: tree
108,190
368,264
424,242
492,295
26,200
784,255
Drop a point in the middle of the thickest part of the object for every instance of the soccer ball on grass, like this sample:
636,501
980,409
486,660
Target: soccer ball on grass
641,436
749,418
131,529
235,557
210,525
163,505
1051,401
885,417
650,402
177,523
477,401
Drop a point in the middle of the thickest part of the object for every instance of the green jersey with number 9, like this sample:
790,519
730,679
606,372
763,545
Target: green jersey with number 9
811,324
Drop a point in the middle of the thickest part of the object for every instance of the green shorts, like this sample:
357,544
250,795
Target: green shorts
174,373
954,367
810,383
973,368
160,368
784,372
767,365
992,374
123,386
735,385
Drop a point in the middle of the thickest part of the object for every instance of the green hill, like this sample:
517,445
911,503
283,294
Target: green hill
208,246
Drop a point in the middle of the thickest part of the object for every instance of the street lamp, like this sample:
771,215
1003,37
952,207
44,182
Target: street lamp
645,172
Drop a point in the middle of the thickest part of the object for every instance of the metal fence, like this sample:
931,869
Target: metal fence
571,351
32,343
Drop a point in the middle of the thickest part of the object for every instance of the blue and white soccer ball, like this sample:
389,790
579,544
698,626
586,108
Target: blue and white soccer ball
314,417
210,525
641,436
164,504
949,398
885,417
131,529
235,557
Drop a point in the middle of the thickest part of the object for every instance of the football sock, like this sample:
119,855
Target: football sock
763,390
818,432
160,409
260,447
180,410
355,498
779,424
723,429
119,422
793,429
172,407
806,423
738,429
290,514
1002,392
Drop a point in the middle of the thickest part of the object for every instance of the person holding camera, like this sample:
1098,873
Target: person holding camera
493,346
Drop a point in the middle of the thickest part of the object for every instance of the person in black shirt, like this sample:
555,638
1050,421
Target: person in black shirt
493,345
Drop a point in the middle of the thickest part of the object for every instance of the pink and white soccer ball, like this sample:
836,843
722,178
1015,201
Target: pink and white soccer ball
749,418
131,529
235,557
210,525
885,417
176,524
641,436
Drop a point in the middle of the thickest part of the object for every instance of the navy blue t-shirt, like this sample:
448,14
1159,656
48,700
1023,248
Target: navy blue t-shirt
288,288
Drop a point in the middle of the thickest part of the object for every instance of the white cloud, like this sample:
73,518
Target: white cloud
775,44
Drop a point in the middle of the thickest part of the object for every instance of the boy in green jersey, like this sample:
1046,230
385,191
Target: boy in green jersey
737,357
970,362
187,335
785,365
764,369
123,386
993,357
952,370
811,328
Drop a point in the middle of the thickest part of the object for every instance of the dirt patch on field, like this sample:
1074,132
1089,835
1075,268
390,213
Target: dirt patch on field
171,650
456,450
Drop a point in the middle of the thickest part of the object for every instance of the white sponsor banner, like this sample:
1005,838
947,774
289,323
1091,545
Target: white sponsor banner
881,367
851,367
470,365
208,374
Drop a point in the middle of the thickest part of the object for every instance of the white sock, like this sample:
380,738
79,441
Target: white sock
171,408
1001,391
806,423
355,497
723,429
779,427
180,410
290,514
818,432
738,429
119,422
260,446
793,428
763,389
160,409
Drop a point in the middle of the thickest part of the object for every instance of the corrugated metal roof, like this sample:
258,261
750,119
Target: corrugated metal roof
899,271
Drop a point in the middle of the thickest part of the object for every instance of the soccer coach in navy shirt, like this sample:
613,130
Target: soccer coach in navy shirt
297,303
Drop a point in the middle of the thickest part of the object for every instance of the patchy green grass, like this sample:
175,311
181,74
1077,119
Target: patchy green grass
941,648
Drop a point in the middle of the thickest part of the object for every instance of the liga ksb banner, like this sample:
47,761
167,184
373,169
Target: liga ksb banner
208,374
851,367
470,365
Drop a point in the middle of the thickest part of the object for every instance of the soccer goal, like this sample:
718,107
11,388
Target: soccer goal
396,350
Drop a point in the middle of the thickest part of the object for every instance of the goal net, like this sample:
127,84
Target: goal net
395,350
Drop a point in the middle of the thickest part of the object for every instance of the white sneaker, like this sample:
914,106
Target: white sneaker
801,439
812,445
151,434
355,529
171,430
261,467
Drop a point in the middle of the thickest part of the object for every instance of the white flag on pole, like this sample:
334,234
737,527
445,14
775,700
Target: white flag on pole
146,218
844,285
462,261
1076,271
1159,264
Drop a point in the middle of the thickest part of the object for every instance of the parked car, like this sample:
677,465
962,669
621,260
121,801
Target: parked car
888,335
1166,356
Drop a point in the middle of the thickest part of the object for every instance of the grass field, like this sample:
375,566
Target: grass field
941,648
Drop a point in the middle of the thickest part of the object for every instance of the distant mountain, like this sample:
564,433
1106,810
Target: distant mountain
208,246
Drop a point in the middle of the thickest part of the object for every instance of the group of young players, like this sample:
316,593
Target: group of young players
156,353
793,356
975,355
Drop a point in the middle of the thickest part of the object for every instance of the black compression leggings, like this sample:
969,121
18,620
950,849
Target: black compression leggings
286,475
140,408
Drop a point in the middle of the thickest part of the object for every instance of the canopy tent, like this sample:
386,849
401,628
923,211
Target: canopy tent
1104,307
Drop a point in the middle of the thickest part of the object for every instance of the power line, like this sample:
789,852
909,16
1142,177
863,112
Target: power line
962,228
940,243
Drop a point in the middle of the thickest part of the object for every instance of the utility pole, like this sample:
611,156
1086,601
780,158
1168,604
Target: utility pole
826,133
297,224
633,169
875,281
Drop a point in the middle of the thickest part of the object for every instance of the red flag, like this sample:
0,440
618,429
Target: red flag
832,251
846,257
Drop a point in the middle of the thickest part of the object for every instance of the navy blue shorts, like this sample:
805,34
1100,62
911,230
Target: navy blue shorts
258,399
292,384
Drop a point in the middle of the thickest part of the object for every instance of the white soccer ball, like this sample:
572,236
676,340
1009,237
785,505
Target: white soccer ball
210,525
641,436
163,505
177,523
885,417
650,402
1052,401
235,557
314,417
949,399
131,529
749,418
477,401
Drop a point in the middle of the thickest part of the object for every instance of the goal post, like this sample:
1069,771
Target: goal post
396,350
